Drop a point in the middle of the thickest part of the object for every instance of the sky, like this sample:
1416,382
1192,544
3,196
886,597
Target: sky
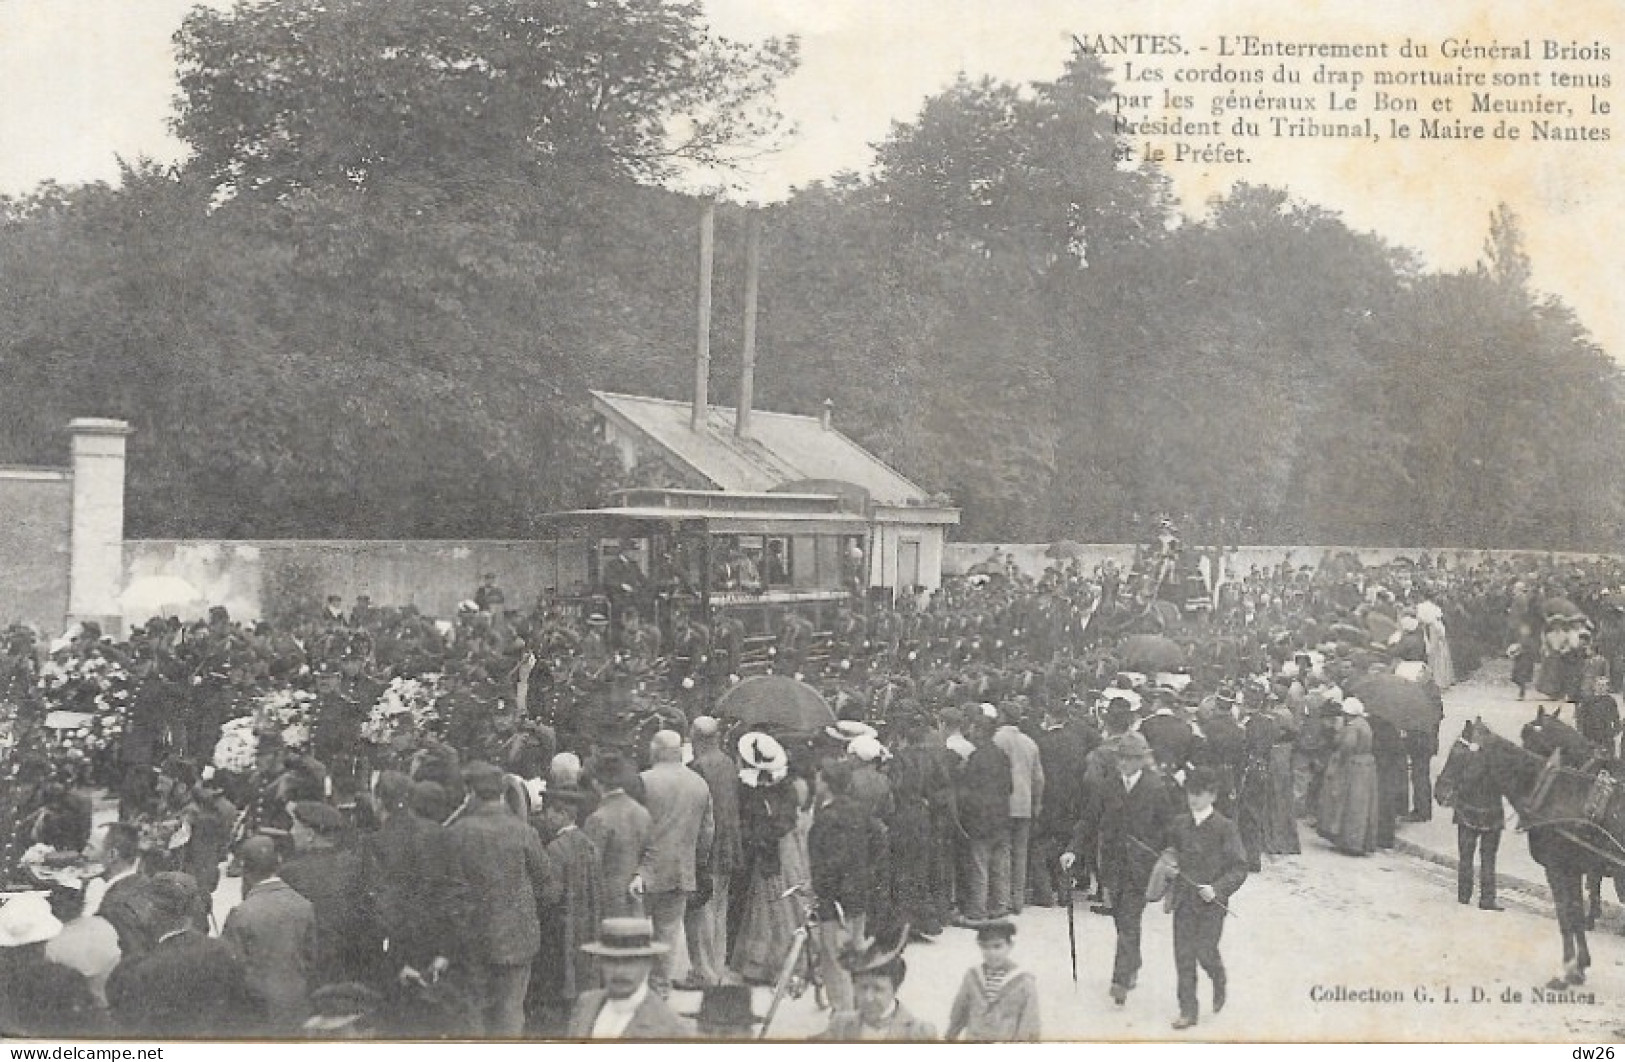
83,82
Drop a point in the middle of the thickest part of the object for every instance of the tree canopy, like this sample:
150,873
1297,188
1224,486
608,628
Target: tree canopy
412,233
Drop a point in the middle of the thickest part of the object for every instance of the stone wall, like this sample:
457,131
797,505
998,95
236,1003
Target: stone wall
35,546
256,579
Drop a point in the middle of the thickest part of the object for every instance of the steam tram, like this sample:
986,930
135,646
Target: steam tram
754,556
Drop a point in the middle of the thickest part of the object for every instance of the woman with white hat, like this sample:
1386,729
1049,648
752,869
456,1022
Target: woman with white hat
774,857
38,998
1349,796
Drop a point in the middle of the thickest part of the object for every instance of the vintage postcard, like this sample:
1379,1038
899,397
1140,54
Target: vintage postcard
934,520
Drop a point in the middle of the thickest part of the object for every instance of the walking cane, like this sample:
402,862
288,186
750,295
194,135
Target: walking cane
1071,919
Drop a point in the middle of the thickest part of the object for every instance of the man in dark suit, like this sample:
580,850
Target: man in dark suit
1212,866
1223,747
501,858
1063,750
619,827
984,785
625,1008
328,874
1171,738
413,892
844,848
272,934
188,985
1130,817
1467,786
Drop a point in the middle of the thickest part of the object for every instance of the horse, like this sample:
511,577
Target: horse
1567,846
1548,733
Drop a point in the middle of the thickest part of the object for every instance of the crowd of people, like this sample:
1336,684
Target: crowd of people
563,831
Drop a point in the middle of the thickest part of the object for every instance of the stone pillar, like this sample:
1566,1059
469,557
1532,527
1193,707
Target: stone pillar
96,565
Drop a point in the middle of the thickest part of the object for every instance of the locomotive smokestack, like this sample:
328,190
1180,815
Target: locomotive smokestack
702,357
747,374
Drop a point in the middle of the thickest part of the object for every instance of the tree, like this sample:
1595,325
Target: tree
1029,170
293,95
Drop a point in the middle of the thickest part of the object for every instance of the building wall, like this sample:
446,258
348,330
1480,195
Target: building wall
885,546
35,547
261,578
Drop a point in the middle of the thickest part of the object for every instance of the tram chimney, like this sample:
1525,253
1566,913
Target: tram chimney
702,357
747,373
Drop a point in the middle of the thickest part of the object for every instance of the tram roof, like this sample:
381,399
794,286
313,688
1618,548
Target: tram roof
633,519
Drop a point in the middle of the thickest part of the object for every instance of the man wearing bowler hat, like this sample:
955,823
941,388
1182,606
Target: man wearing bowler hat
1130,817
726,1013
625,1008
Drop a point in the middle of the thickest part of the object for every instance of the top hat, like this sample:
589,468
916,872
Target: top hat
726,1005
625,938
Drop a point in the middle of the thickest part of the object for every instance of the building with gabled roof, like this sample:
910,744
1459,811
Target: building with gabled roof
787,453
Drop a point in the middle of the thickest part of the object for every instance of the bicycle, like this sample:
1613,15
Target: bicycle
803,945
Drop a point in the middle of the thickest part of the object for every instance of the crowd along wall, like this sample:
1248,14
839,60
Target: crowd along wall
1032,558
258,579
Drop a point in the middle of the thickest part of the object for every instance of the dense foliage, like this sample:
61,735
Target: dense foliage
413,232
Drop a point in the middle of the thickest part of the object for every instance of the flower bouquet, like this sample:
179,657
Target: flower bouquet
286,713
409,709
86,703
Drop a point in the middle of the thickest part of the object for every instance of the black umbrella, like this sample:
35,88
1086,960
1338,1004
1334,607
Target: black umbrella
1151,652
777,701
1408,705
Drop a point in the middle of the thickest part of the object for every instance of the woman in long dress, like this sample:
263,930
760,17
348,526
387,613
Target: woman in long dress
1438,644
1348,810
775,859
1281,826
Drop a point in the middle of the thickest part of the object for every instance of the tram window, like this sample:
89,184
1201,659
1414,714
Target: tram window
778,563
824,565
621,565
737,562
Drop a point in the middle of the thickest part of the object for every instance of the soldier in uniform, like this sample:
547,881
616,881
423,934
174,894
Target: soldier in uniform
727,648
850,638
623,579
640,643
691,655
795,638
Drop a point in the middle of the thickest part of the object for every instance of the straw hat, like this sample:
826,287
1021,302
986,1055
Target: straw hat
763,760
625,938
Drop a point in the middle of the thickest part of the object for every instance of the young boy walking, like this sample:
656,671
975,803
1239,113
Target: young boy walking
1212,864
